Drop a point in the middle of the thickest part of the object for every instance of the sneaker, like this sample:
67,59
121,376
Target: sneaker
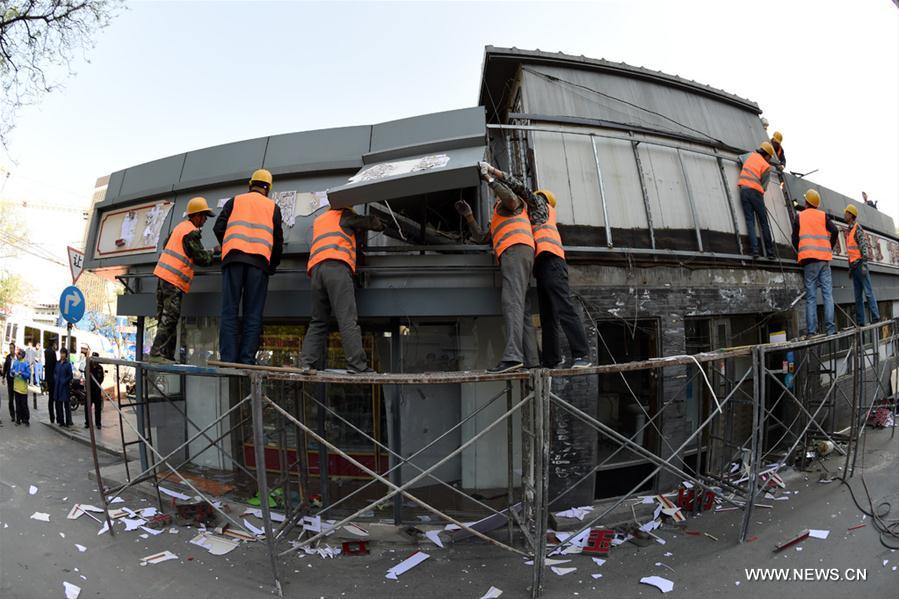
582,362
505,366
366,370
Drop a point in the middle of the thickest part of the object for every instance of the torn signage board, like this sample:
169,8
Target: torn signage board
406,565
255,511
386,177
309,203
215,544
484,525
663,584
399,167
43,517
72,591
157,558
287,202
492,593
576,512
175,494
669,509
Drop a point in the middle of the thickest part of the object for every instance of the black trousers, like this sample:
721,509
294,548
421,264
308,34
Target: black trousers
98,410
50,402
64,412
556,309
23,414
12,400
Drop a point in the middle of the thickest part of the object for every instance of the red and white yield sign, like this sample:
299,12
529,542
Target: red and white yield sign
76,263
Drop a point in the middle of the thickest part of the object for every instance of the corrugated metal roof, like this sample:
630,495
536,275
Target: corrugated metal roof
500,65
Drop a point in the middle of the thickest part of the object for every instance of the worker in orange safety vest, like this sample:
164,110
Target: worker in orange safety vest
249,229
331,266
814,235
857,248
174,272
513,244
755,171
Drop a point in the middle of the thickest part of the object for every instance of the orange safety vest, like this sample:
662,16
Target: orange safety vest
174,265
852,245
330,241
251,226
814,238
753,169
507,231
546,236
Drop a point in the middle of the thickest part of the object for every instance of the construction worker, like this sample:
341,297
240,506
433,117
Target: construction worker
331,266
754,174
249,230
814,235
857,247
513,244
175,270
776,141
551,272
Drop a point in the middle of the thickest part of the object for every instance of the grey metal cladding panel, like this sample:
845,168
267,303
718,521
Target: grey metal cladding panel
708,192
582,207
114,187
665,188
151,178
732,172
429,127
293,152
224,162
461,171
834,203
718,119
778,216
581,183
624,199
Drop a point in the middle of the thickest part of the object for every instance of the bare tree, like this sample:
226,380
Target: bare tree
37,39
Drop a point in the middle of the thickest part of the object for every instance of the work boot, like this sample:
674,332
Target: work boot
582,362
505,366
306,369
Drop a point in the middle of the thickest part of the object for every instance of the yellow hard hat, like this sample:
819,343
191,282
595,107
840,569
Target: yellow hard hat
812,197
767,148
778,136
261,176
550,197
198,205
852,210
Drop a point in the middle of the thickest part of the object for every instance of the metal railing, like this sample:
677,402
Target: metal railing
719,455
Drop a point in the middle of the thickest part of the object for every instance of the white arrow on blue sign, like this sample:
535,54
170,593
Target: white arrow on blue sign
71,304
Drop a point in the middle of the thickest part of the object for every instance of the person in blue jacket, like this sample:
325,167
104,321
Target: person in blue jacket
62,386
21,374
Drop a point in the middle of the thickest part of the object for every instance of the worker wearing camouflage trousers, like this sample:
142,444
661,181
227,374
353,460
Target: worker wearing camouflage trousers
168,314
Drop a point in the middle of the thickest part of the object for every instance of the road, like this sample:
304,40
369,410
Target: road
35,557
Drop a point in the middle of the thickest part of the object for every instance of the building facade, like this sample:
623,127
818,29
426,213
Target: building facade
643,165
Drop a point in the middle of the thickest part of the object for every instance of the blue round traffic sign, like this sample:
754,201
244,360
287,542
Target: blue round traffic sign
71,304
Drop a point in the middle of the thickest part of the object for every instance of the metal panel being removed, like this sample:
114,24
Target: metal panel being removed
438,170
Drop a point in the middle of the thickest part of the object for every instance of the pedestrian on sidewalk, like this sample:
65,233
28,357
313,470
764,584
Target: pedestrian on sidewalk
50,373
96,374
7,373
21,372
62,389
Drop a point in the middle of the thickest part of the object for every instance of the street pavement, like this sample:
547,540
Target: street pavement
37,557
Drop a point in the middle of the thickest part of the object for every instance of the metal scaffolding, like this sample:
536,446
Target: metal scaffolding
829,376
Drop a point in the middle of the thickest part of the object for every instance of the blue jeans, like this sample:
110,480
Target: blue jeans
246,283
861,280
754,207
817,274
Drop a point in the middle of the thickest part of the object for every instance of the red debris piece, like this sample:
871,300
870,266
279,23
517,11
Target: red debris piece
355,548
599,541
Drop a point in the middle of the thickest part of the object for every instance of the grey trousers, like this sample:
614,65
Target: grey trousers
515,266
333,293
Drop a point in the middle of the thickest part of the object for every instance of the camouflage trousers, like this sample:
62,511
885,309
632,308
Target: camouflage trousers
168,313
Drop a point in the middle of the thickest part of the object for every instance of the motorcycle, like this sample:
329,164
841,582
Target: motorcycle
77,396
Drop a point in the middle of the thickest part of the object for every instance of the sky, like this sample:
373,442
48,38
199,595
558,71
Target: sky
168,77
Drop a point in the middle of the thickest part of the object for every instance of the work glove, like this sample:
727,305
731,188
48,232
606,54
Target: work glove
463,208
376,223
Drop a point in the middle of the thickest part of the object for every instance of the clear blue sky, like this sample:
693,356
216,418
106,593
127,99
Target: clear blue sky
167,77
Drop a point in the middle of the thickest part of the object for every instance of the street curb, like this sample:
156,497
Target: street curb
79,439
